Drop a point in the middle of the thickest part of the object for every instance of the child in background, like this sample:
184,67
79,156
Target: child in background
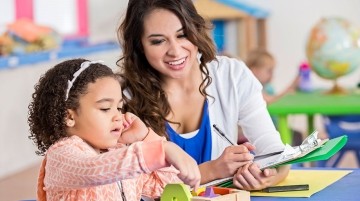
93,151
262,64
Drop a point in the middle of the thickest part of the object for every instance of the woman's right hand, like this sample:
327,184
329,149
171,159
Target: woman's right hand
187,166
232,158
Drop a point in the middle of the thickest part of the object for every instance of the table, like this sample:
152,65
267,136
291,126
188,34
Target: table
347,188
316,102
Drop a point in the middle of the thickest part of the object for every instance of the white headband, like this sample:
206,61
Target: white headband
84,65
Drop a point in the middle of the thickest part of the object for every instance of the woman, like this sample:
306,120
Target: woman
175,83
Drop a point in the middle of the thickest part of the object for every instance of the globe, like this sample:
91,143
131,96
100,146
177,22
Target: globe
333,49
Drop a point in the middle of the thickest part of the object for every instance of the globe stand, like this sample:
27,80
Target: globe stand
336,89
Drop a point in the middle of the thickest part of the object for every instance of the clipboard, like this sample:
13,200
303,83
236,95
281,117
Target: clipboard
322,150
311,149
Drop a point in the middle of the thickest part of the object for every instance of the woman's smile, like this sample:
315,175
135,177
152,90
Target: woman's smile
177,64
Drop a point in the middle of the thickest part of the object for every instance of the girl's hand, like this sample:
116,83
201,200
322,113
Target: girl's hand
232,159
134,129
187,166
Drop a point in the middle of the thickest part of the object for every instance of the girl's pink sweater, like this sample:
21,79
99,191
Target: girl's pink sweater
72,170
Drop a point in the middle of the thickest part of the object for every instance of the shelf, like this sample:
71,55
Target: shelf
69,48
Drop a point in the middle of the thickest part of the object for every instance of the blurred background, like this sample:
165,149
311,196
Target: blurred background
87,28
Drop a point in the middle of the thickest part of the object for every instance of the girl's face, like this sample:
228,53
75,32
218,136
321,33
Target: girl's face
99,120
265,71
166,46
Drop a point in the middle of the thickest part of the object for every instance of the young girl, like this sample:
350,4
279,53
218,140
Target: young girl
262,64
93,151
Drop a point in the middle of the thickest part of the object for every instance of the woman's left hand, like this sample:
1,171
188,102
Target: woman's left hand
250,177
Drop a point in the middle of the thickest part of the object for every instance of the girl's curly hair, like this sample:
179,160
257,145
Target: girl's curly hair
48,108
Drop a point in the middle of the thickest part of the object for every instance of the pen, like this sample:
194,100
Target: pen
222,134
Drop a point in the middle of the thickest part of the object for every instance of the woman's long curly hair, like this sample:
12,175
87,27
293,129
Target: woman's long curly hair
48,108
148,100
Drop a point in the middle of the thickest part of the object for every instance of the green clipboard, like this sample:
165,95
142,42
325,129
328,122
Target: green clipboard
326,151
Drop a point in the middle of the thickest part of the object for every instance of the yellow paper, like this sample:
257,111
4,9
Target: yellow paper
317,180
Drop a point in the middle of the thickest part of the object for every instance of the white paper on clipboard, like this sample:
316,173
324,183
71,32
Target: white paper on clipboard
310,144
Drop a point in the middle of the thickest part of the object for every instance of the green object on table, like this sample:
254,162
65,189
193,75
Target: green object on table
176,192
316,102
226,184
325,152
